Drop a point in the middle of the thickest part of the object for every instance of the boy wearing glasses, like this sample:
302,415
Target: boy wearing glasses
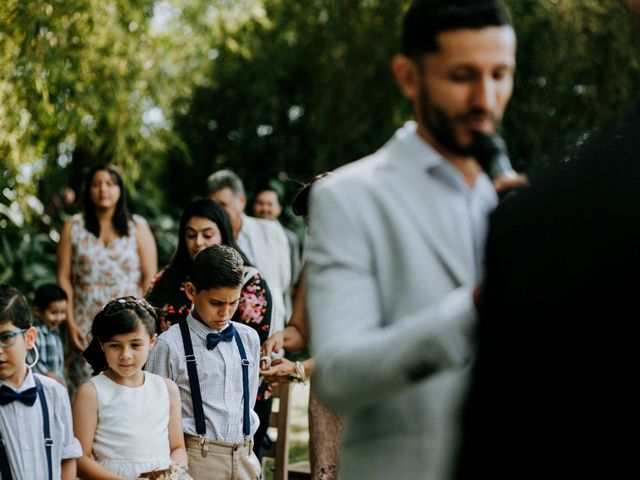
36,434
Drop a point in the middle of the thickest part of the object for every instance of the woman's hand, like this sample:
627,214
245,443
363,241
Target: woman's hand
280,372
273,344
77,337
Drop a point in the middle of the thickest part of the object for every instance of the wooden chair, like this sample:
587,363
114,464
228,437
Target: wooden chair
279,449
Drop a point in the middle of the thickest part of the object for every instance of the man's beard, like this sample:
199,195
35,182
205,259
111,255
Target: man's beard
442,126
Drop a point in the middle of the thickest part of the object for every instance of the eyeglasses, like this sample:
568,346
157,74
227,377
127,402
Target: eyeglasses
9,339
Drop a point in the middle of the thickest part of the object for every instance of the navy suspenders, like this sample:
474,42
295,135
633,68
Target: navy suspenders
5,469
48,442
246,421
194,383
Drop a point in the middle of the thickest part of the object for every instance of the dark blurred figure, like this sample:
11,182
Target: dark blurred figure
552,392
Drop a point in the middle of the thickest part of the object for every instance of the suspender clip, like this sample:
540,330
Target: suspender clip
190,358
204,446
48,442
245,362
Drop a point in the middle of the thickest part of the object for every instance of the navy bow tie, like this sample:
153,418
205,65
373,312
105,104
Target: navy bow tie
213,339
7,395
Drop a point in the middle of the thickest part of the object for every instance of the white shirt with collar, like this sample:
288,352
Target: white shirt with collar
266,245
23,434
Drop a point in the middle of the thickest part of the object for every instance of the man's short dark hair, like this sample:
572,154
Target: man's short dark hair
47,294
217,266
14,307
225,179
269,188
425,19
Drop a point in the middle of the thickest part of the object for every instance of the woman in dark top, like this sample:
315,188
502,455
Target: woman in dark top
205,223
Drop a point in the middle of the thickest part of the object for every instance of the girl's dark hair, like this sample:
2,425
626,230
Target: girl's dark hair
121,315
14,307
121,216
176,272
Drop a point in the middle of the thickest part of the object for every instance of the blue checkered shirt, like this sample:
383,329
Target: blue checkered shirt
220,376
51,352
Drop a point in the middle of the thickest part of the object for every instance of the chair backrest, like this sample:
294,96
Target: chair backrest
279,421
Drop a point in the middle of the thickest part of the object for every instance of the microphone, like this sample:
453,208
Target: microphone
491,153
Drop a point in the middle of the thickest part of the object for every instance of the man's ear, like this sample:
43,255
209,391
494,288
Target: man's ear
405,72
37,312
191,291
243,201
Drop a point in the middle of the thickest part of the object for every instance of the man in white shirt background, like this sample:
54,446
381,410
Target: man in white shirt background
263,241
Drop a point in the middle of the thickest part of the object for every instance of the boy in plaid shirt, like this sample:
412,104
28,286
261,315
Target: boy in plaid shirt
50,311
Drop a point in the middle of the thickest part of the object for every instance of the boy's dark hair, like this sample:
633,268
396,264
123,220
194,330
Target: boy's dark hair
121,315
121,216
425,19
14,307
267,187
47,294
217,266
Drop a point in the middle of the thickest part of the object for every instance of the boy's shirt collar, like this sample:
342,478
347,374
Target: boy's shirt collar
200,328
29,382
40,324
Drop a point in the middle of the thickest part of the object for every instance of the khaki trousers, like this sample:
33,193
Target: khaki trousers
213,460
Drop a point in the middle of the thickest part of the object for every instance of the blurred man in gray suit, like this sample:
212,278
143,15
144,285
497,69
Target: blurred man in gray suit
396,247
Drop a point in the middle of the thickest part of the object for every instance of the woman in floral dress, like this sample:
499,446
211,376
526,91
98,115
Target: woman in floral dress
103,253
205,223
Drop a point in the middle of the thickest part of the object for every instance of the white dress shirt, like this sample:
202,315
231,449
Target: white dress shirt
23,434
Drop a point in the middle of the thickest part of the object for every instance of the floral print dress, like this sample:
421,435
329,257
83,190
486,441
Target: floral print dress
100,273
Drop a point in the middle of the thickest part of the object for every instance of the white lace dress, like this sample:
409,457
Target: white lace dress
132,435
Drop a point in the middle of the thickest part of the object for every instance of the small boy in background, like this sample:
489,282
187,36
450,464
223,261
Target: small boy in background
36,434
214,362
50,311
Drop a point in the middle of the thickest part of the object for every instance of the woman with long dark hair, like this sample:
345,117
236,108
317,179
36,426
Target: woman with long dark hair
205,223
104,252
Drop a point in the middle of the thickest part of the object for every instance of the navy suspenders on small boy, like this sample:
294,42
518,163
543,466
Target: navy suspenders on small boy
5,469
194,383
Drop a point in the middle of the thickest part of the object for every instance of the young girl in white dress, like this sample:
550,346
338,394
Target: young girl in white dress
127,420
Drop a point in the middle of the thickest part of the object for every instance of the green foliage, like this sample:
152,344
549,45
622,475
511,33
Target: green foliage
170,90
306,87
300,89
577,72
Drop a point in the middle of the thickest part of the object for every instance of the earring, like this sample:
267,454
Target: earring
37,354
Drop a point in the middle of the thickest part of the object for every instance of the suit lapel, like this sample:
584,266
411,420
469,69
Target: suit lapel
408,181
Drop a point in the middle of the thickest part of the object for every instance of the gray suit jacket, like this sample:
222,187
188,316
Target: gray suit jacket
390,305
